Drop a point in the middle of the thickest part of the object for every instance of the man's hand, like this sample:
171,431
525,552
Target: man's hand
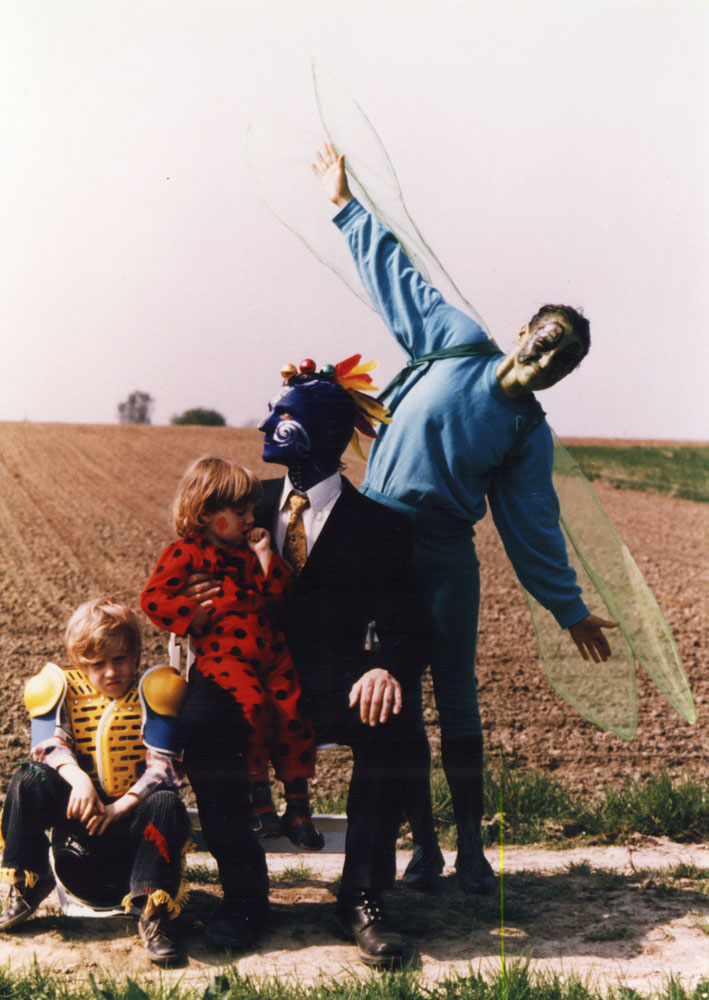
588,636
99,824
201,587
84,802
329,168
378,694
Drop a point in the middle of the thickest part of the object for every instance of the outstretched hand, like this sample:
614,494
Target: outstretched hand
329,168
589,638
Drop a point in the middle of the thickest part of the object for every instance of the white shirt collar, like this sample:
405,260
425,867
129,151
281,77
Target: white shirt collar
320,495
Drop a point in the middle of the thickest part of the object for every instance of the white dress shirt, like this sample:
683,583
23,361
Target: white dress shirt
323,497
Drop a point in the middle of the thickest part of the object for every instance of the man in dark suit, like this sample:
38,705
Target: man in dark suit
351,558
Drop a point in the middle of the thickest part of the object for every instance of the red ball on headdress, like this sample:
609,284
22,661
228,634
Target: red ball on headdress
307,366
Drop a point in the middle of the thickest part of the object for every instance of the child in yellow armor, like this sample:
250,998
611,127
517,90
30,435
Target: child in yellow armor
101,774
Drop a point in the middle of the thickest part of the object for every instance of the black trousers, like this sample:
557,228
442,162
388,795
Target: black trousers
138,854
214,736
384,756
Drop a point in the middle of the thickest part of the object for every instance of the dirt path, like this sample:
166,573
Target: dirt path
608,915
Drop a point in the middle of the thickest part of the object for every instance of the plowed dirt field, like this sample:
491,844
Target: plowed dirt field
84,510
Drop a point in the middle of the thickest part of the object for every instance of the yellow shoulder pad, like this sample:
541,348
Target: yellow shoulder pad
44,690
164,690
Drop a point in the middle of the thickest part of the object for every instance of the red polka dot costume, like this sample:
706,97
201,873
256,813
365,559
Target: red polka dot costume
240,649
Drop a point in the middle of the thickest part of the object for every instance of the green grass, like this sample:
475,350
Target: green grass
658,807
677,470
537,808
202,875
519,982
329,804
298,872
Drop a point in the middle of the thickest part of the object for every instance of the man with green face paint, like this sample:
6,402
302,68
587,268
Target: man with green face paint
466,427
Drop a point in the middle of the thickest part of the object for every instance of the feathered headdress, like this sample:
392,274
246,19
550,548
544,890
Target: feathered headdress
353,377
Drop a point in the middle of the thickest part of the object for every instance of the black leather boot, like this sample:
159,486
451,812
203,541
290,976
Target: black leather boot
23,900
463,766
159,939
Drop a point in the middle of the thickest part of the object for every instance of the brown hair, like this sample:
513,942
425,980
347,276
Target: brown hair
209,484
96,625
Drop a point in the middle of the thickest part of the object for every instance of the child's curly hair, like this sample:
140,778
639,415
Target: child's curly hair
208,485
97,625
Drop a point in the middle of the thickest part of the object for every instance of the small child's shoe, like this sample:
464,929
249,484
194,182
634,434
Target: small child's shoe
158,937
266,823
23,900
298,826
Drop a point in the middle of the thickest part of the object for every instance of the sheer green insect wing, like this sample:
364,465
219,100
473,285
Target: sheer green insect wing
604,693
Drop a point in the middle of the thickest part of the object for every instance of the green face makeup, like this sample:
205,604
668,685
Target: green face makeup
550,348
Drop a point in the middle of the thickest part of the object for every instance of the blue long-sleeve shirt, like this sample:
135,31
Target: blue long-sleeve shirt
453,428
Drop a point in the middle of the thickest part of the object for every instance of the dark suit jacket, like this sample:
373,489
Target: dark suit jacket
359,570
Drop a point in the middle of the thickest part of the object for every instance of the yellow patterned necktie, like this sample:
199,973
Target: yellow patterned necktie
295,549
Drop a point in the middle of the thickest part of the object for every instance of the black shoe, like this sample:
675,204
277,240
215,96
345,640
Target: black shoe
158,936
236,925
423,869
267,824
361,919
475,874
22,901
299,828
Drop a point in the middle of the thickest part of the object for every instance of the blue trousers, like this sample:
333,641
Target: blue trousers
448,575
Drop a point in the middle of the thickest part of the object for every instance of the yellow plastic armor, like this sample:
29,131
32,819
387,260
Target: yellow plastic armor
45,690
106,731
164,690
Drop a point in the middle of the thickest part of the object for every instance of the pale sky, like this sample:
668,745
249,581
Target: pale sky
548,152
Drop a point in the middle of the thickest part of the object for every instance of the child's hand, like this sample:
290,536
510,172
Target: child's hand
99,824
84,802
259,541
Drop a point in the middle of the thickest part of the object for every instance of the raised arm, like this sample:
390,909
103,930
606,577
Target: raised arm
413,310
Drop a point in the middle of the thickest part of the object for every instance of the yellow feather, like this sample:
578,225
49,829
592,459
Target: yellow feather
366,366
356,447
358,383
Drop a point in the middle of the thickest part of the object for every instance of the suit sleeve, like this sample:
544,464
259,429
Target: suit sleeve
161,599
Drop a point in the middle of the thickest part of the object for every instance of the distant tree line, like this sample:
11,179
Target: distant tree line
198,415
138,409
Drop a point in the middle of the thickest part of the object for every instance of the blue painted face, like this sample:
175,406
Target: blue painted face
309,425
286,438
